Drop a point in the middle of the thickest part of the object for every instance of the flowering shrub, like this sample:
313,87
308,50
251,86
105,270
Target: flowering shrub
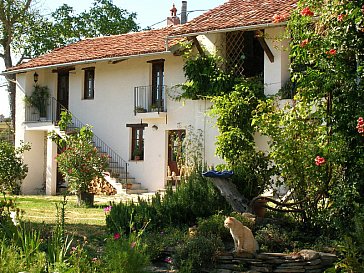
360,126
326,42
80,162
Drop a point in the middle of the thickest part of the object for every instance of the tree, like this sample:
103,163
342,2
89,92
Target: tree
14,15
26,33
66,27
12,168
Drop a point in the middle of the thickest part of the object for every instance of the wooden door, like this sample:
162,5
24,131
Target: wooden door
62,92
157,84
175,150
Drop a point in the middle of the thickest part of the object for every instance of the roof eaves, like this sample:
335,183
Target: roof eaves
22,70
249,27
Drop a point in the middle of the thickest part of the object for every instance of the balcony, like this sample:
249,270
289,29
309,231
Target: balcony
150,101
47,112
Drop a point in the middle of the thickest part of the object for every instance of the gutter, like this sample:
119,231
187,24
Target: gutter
23,70
251,27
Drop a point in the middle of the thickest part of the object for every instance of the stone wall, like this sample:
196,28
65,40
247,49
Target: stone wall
306,261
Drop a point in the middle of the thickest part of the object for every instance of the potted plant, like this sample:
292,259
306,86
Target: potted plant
154,108
137,153
140,109
80,163
39,100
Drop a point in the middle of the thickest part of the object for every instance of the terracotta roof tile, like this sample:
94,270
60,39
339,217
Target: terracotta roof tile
237,13
234,13
129,44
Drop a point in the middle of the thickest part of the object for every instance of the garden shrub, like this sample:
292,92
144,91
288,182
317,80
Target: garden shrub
195,197
125,254
158,242
197,253
351,249
273,238
12,167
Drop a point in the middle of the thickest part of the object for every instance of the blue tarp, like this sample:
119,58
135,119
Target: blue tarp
213,173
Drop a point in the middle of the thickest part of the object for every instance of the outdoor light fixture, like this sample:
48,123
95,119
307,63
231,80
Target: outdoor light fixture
35,77
155,127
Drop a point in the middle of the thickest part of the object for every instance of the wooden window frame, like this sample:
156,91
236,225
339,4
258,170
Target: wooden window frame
137,138
89,91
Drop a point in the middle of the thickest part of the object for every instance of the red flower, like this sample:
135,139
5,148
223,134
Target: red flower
360,125
319,160
306,12
331,52
117,236
340,17
304,43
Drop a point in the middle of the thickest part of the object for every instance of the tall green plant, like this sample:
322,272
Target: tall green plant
205,77
233,113
12,167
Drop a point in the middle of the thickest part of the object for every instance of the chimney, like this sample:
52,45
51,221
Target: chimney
184,12
173,20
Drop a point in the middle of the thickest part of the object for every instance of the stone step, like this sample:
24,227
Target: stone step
136,191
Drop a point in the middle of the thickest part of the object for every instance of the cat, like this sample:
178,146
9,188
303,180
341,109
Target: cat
244,240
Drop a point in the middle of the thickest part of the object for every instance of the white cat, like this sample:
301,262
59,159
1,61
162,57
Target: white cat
244,240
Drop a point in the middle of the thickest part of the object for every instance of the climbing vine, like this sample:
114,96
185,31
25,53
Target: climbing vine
313,141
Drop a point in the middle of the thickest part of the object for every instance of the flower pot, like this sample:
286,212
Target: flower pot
259,208
137,157
86,199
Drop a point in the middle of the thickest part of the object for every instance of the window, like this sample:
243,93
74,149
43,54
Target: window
137,140
89,86
244,54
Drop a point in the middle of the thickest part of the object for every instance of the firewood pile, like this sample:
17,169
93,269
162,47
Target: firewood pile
101,186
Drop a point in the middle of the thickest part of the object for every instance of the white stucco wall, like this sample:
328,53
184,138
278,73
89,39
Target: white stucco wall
276,74
113,105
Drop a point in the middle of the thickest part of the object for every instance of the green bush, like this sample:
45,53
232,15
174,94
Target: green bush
12,167
197,253
273,238
195,197
125,255
158,242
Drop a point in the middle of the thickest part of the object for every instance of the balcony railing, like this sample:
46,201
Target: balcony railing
49,112
150,99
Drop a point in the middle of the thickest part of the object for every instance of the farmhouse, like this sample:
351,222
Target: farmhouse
123,86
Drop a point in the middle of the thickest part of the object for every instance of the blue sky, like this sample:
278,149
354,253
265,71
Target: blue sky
148,12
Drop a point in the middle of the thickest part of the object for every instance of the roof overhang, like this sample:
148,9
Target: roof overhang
111,59
240,28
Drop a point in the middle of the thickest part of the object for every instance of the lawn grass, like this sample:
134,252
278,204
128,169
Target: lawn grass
81,223
42,209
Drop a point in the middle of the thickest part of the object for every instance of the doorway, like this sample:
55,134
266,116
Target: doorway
62,92
176,150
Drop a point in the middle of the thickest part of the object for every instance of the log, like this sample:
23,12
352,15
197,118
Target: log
228,190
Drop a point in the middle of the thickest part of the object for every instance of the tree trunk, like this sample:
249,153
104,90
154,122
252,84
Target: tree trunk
229,191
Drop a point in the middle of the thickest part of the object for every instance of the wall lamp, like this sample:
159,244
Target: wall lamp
155,127
35,77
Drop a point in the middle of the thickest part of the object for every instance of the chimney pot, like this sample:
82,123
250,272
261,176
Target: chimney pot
173,11
173,20
184,12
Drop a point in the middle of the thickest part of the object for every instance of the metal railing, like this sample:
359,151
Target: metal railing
117,165
150,98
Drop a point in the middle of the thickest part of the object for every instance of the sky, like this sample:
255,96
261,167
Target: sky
148,13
